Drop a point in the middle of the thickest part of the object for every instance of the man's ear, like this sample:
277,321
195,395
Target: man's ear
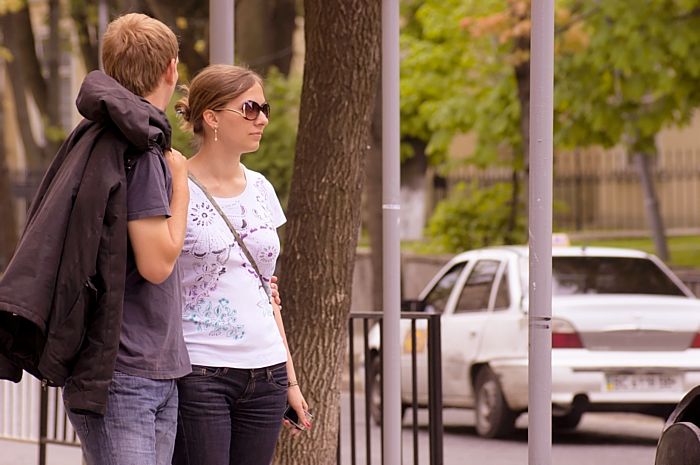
171,72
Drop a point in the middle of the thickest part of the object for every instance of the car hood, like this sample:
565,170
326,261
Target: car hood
631,322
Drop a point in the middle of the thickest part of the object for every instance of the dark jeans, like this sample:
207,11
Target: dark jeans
230,416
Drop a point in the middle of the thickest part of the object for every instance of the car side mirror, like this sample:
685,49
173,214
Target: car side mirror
412,305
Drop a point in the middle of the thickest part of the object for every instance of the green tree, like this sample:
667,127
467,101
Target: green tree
633,74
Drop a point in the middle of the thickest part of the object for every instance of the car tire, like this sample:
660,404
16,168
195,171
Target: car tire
374,391
494,419
374,388
567,422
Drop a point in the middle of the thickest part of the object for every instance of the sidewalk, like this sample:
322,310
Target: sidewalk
27,453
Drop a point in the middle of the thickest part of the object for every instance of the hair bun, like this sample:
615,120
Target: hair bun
182,109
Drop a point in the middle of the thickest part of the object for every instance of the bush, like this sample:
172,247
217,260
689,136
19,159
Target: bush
472,217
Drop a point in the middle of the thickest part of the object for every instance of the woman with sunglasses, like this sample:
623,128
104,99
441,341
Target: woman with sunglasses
232,403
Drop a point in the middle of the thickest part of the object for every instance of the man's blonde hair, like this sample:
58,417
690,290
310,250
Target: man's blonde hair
136,51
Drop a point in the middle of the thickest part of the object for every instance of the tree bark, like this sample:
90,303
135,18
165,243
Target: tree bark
651,205
342,66
264,30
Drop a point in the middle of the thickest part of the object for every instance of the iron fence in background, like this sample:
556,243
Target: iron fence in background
597,190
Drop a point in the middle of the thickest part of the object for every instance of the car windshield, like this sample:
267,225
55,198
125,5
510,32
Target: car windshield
610,275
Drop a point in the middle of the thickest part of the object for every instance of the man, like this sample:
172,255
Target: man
61,315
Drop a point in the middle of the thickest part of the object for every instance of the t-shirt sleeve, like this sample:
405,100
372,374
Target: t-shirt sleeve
278,218
148,187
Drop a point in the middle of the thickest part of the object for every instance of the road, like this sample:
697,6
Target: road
600,439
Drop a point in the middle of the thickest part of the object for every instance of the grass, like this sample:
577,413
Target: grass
684,251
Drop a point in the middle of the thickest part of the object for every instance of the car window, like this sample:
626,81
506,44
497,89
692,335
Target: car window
437,298
503,293
610,275
477,289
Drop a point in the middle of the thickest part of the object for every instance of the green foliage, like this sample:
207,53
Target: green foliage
182,140
472,217
454,83
636,75
275,158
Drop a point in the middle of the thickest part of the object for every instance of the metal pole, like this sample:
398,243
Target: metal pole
221,31
391,267
540,233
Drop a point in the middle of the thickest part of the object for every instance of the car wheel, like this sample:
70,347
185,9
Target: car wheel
494,419
374,391
568,421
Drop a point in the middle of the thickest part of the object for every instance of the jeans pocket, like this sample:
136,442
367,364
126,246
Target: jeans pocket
278,376
202,372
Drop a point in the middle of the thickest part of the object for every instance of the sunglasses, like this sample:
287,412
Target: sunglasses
250,110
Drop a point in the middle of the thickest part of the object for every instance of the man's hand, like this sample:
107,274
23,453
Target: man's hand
178,166
274,290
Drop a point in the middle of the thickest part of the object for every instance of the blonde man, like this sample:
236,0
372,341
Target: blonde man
140,417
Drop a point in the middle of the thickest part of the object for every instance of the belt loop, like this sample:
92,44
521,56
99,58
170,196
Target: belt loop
269,374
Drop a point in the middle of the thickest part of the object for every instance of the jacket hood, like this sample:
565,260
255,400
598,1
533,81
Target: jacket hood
104,100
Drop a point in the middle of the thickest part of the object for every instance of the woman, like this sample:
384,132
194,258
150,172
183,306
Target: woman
232,403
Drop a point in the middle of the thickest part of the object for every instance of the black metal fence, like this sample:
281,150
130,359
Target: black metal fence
371,395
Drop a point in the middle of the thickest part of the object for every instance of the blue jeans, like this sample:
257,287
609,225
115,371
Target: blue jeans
139,426
230,415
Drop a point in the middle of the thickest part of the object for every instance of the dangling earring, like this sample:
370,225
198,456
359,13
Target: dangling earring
216,134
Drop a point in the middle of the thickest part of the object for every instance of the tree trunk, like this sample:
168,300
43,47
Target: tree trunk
264,31
87,32
520,162
373,200
651,205
341,70
27,81
8,227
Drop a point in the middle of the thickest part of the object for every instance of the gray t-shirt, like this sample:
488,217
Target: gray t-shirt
151,343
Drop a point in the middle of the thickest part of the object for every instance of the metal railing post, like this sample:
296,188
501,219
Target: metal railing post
435,389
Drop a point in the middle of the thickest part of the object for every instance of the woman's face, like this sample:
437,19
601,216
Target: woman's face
237,128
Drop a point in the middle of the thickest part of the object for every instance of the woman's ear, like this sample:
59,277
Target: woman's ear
210,118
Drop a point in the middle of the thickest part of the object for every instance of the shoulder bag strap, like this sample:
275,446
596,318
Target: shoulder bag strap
247,253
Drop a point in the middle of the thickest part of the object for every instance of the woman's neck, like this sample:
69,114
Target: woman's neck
221,173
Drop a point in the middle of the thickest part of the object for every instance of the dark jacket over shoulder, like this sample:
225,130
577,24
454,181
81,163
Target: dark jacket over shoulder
61,295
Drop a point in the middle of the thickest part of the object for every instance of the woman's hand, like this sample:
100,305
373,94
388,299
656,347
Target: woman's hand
296,400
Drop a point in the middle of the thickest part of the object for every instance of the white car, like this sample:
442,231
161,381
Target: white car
625,336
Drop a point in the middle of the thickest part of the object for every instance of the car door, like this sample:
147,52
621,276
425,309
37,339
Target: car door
436,300
463,326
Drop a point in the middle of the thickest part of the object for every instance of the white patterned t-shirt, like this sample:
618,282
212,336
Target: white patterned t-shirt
227,318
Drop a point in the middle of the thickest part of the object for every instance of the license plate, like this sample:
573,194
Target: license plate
643,382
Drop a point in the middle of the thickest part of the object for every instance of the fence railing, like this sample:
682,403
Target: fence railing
371,395
597,190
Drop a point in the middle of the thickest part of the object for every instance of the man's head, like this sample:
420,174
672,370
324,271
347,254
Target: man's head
137,51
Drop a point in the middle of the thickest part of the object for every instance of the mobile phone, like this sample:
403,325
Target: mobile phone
291,415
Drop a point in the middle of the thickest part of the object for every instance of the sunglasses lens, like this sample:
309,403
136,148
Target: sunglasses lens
251,110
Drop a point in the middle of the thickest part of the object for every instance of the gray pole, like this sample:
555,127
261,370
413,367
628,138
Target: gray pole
391,263
540,233
221,31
